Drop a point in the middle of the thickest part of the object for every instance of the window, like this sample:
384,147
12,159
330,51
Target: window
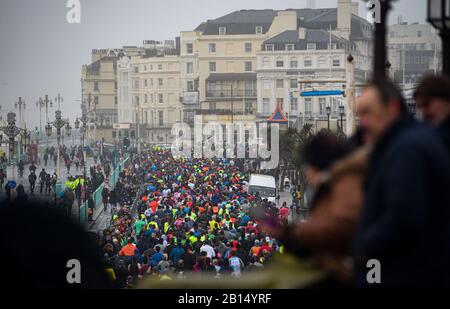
212,47
332,46
189,48
145,117
160,66
248,107
115,85
160,98
266,83
161,118
96,86
136,84
145,68
336,63
115,100
294,104
308,62
136,69
189,68
212,66
280,63
289,47
248,66
269,47
322,106
266,106
280,83
266,62
419,34
222,30
145,98
294,63
248,47
145,83
160,81
293,84
335,108
212,106
308,106
311,46
190,86
258,29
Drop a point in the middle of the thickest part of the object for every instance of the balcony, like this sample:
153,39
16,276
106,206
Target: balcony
231,94
219,112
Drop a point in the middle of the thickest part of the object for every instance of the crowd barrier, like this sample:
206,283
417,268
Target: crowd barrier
97,195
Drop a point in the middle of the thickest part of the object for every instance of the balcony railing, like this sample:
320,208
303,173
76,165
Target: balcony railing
238,93
220,112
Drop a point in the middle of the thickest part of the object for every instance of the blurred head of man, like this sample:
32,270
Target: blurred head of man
320,153
433,99
380,105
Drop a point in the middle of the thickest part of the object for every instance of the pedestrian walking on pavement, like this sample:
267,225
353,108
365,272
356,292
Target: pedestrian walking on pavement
32,179
42,176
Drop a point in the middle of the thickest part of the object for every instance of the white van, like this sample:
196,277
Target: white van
264,185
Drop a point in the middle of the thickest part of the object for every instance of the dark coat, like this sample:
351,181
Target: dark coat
444,133
406,214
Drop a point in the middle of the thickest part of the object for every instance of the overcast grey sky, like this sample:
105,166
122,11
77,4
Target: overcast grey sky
40,53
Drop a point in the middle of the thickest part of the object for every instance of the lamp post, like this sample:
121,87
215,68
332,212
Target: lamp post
341,112
328,116
25,136
58,123
41,103
379,68
20,106
84,120
59,99
438,15
11,131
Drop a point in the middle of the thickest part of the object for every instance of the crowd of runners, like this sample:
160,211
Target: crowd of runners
172,218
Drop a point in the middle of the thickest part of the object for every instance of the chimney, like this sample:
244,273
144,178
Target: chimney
301,33
344,17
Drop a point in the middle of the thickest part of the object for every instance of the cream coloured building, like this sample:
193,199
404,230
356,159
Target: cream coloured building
99,91
294,66
149,94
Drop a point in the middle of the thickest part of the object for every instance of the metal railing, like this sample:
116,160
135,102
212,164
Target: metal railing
97,195
238,93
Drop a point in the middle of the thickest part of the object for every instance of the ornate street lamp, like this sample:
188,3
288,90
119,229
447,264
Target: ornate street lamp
41,103
59,123
48,130
379,62
328,115
342,112
438,15
68,129
11,131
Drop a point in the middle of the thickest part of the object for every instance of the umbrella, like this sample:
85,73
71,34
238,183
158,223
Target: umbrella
11,184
